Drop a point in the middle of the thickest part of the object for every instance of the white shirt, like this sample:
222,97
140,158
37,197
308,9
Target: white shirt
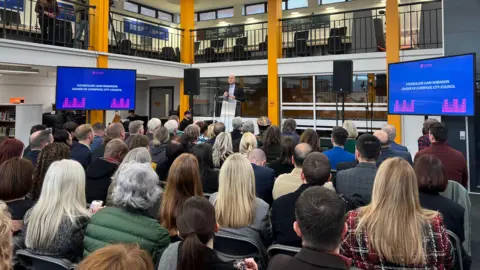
231,89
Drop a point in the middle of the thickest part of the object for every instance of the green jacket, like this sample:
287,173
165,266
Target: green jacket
118,225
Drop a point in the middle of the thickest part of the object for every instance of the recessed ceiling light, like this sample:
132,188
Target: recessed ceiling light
250,19
330,8
295,13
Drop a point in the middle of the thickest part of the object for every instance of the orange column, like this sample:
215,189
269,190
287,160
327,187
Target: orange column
274,52
187,23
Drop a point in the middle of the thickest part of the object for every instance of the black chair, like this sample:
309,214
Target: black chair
177,55
167,53
230,248
379,35
196,46
300,43
37,262
207,195
457,247
241,41
336,45
239,53
282,249
210,55
126,47
334,177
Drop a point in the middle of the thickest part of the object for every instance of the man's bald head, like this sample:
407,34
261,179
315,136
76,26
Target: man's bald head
391,131
382,136
300,153
231,79
116,149
115,131
257,157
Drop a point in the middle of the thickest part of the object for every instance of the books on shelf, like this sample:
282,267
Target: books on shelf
7,132
7,116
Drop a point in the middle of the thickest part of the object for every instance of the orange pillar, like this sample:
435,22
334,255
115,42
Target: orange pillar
274,52
187,23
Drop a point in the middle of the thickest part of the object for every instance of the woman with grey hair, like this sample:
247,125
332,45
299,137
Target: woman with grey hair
137,189
289,128
159,145
222,149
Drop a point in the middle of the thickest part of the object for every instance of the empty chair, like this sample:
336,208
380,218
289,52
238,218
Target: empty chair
210,55
167,53
457,246
238,248
336,45
301,48
126,47
241,41
177,54
196,46
282,249
379,35
239,53
37,262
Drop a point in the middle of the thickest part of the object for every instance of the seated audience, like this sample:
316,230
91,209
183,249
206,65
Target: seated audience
401,233
173,151
114,131
98,134
347,165
237,124
239,212
310,136
99,174
320,222
263,124
51,153
222,149
15,182
38,140
284,164
248,142
264,177
359,180
388,152
34,129
203,138
289,129
159,144
271,140
424,140
352,136
172,127
55,225
210,133
287,183
136,127
218,128
392,134
137,141
183,182
189,137
62,136
453,161
338,154
10,148
81,152
186,121
316,172
174,118
209,176
136,190
152,125
6,243
118,257
197,227
247,127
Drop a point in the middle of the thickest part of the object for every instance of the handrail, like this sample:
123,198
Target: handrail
80,4
146,20
227,26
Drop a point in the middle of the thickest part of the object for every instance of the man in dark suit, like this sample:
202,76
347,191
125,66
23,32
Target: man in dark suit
320,222
38,140
359,180
187,120
81,152
114,131
264,177
316,172
392,134
234,92
388,152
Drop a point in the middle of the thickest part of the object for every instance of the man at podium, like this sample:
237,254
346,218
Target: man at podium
234,92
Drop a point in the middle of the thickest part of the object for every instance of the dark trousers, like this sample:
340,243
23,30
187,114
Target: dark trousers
47,26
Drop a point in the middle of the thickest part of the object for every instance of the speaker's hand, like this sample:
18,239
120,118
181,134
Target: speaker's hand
232,97
225,94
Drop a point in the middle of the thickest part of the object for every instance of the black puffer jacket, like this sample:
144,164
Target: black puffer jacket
158,152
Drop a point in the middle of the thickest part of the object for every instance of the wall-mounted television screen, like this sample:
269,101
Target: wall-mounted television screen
95,89
438,86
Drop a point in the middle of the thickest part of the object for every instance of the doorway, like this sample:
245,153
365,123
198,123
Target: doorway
161,101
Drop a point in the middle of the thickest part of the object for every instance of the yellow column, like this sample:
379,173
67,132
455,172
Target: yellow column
187,23
393,53
99,43
274,52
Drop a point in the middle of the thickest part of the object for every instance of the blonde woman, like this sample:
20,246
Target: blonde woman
352,136
247,143
210,134
394,229
55,225
239,212
222,148
5,237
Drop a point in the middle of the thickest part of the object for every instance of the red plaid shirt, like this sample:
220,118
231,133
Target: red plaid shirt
423,142
438,252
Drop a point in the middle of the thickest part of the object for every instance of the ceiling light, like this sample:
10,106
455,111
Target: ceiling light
33,71
295,13
250,19
142,78
330,8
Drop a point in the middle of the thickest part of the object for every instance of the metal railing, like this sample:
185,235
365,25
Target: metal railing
230,43
143,38
49,22
359,32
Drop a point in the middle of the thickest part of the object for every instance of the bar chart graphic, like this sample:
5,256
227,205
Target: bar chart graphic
74,104
404,106
121,104
454,106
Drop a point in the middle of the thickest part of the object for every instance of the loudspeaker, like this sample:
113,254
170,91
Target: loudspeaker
381,85
191,80
343,76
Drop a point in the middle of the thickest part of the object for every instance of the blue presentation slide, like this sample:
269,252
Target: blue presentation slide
440,86
95,89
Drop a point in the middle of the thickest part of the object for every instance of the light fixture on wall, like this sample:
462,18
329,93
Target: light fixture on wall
12,69
330,8
142,78
295,13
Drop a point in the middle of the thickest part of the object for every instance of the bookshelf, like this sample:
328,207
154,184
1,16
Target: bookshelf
17,119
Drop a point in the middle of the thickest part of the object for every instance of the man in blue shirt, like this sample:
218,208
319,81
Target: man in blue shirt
337,154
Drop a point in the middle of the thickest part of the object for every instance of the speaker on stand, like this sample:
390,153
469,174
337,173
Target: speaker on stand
191,85
342,82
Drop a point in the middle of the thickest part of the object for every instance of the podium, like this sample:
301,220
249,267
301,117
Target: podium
227,113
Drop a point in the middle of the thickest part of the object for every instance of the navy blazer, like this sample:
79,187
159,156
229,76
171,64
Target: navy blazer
358,180
398,147
82,154
264,180
387,153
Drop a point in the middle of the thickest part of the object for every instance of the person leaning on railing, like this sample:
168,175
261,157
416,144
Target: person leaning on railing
47,11
81,25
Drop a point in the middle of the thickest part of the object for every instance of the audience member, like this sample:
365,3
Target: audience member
218,128
310,136
287,183
173,151
172,127
247,127
338,154
15,182
209,176
137,141
137,189
159,144
183,182
38,140
51,153
392,134
114,131
210,133
316,172
197,227
349,126
222,149
6,243
81,152
284,164
132,116
359,180
134,128
271,140
34,129
203,138
175,118
55,225
237,124
347,165
263,124
99,174
70,127
264,177
118,257
320,222
10,148
453,161
400,232
186,121
424,140
63,136
248,142
239,212
388,152
289,128
98,134
189,137
152,125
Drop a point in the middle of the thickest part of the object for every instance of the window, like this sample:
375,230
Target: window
209,15
195,17
292,4
326,2
164,16
255,9
130,7
225,13
284,5
148,12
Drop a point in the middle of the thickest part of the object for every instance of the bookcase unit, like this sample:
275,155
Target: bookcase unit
17,119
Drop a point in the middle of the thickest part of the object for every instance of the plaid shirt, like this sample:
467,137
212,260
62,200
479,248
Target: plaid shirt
438,252
423,142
